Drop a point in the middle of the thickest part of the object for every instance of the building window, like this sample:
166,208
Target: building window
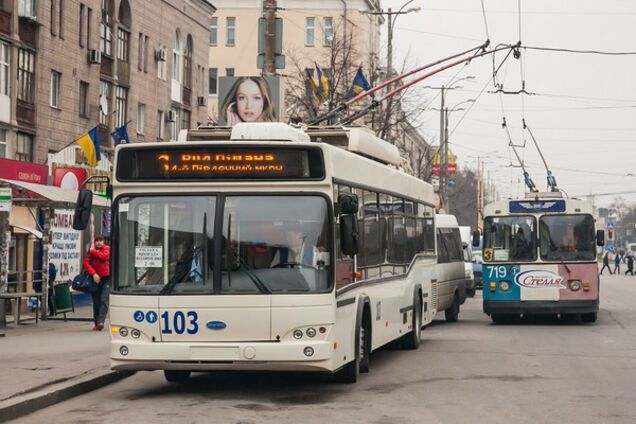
54,100
214,27
81,25
310,31
187,63
146,43
24,147
328,31
174,127
106,28
176,58
141,51
26,75
231,31
61,19
105,91
89,17
3,143
123,45
185,119
26,8
4,69
141,117
212,81
54,15
83,99
162,66
160,125
121,106
229,72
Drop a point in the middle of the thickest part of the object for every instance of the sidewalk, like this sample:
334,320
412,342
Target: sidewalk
55,360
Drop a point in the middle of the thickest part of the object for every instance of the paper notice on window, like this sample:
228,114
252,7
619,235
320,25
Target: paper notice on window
502,255
148,256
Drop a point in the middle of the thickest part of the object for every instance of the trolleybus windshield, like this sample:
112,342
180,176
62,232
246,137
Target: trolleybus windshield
510,239
567,238
268,244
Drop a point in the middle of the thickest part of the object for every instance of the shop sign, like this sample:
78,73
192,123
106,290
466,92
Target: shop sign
65,250
5,200
23,171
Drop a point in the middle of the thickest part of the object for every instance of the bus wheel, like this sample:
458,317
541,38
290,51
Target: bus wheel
471,292
452,313
175,376
351,371
589,317
412,339
365,344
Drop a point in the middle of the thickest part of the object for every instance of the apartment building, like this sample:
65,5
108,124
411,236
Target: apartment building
67,66
309,28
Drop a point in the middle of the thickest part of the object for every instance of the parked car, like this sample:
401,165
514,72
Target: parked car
477,261
467,247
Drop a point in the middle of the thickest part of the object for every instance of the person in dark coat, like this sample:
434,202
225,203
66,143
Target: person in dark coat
630,263
606,263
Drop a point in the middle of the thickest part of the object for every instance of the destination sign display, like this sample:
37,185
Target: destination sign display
218,163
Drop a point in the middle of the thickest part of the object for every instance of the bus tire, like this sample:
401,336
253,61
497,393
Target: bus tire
365,343
589,317
175,376
362,349
452,313
471,292
412,339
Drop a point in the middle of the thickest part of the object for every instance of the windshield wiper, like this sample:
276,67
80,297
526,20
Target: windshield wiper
182,270
257,281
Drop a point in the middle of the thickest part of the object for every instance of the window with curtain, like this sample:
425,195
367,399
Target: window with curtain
26,75
106,28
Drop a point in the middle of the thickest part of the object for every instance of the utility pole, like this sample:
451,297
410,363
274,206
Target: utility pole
4,254
269,9
446,161
442,146
386,134
479,189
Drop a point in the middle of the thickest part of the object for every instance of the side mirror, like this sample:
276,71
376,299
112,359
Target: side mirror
600,237
348,204
475,238
83,209
349,234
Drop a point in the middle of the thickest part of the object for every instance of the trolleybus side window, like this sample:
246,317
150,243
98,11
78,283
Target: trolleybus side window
344,263
510,238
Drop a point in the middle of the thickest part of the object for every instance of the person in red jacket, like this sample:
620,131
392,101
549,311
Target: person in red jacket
97,264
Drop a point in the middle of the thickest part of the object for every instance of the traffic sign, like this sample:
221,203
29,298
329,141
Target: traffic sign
5,200
452,183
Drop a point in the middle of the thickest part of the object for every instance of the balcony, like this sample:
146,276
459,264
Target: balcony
25,113
5,22
106,67
186,96
27,30
123,72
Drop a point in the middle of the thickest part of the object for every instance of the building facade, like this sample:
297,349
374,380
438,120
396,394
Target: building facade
309,30
67,66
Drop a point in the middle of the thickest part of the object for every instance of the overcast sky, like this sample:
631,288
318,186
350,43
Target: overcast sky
584,111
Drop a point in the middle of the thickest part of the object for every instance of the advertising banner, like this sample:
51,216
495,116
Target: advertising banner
65,251
249,99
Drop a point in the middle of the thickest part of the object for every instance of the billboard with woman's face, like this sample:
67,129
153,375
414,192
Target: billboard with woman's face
248,99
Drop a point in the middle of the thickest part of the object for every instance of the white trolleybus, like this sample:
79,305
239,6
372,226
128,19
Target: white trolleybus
266,248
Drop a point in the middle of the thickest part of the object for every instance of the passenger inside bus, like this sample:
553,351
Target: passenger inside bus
569,239
521,249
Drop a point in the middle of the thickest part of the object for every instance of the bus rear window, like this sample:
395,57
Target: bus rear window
195,163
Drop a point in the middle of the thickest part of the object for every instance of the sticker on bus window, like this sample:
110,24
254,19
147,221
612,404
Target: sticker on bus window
502,255
488,255
148,256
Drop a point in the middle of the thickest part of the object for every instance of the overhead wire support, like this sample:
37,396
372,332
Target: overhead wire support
550,178
345,105
414,81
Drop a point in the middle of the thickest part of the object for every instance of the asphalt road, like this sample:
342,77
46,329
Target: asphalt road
531,371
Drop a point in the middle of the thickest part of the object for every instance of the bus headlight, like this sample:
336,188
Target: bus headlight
135,333
311,332
123,350
298,334
504,286
308,351
123,331
575,285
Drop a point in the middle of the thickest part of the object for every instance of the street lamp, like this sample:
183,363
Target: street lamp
391,18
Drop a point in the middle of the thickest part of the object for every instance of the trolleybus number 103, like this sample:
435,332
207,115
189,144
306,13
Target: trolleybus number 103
179,324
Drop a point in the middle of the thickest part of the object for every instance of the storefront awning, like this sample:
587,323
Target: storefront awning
48,195
36,233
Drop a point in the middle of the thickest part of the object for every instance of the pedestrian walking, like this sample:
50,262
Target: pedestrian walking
630,264
97,264
617,263
606,263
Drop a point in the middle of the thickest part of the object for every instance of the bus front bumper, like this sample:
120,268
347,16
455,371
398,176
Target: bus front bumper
540,307
274,356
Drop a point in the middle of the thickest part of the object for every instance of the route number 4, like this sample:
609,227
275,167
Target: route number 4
498,271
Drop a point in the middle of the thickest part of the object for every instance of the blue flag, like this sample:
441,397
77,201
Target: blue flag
121,134
359,84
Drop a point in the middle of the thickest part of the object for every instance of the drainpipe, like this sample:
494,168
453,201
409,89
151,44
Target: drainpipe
344,51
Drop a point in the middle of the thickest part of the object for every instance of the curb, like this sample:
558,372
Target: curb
30,402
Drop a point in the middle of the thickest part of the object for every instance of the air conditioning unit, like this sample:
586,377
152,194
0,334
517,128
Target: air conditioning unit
94,56
201,100
160,55
171,116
